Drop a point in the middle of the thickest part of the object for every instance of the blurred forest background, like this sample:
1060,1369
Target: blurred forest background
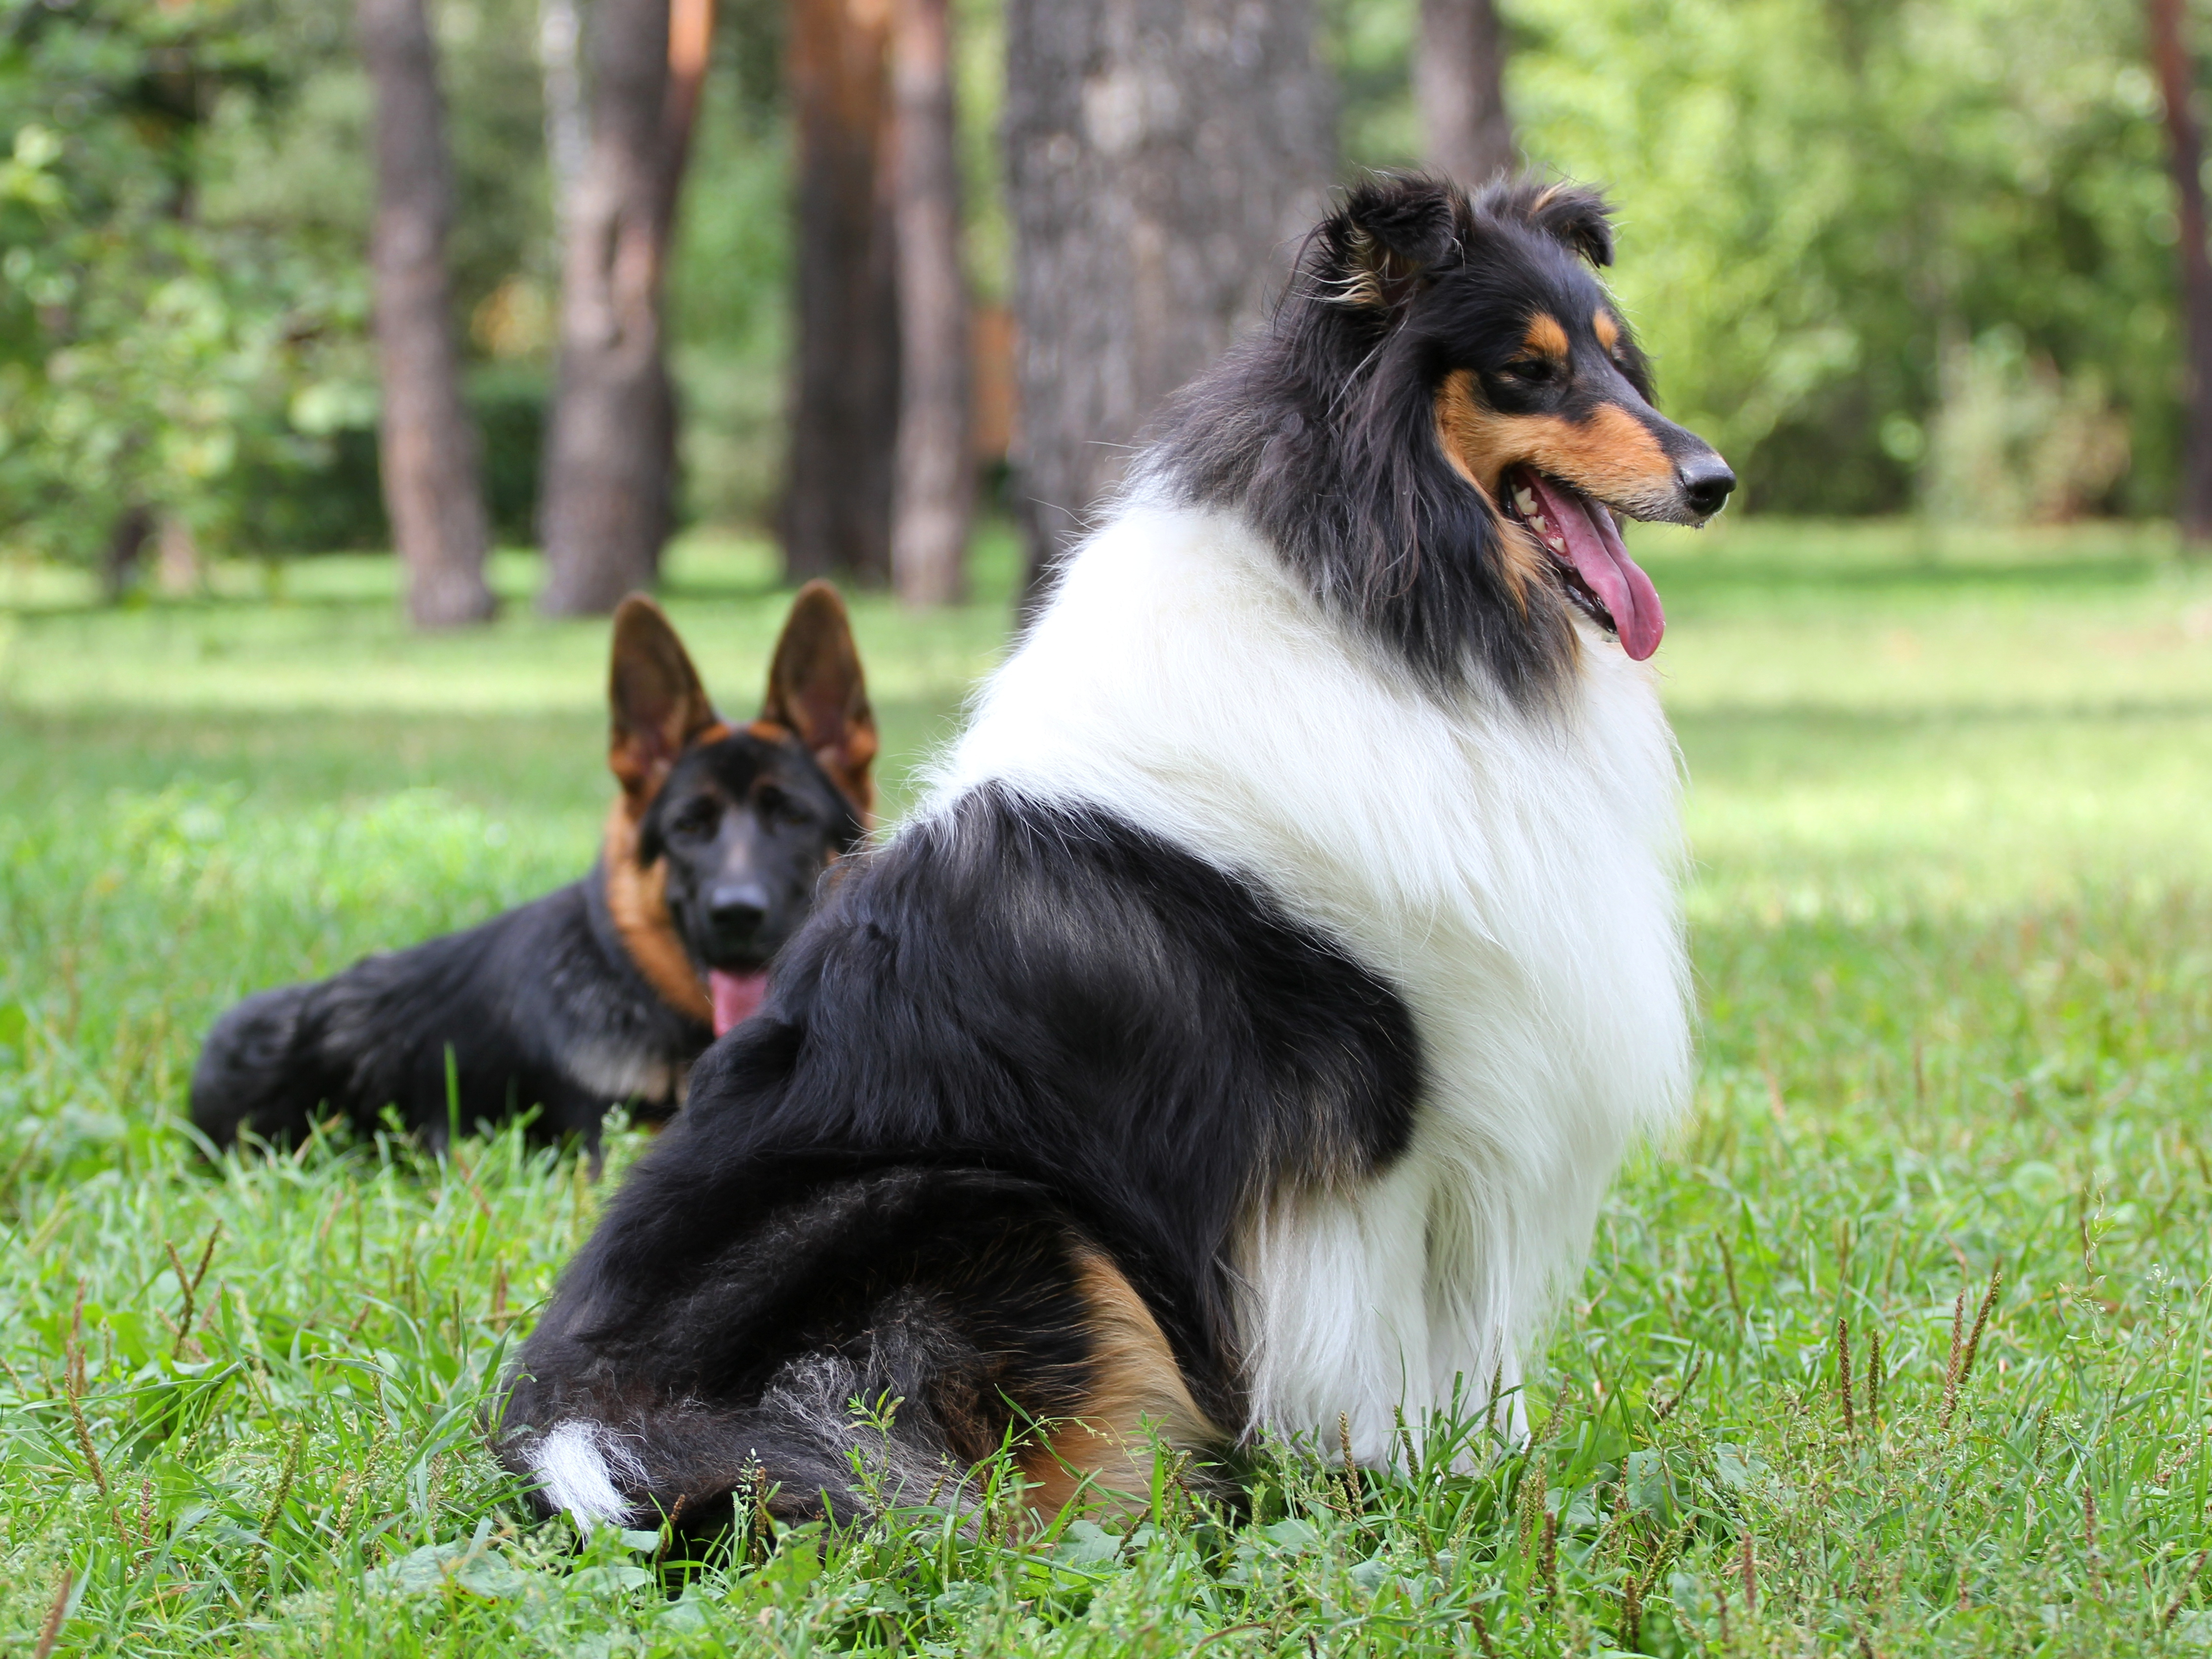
1891,255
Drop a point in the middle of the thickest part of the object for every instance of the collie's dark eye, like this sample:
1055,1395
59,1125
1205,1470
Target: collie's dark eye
698,821
1535,370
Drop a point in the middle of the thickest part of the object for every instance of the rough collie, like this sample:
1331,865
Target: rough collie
1243,1032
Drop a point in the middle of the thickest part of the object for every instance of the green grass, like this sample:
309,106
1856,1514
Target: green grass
1953,935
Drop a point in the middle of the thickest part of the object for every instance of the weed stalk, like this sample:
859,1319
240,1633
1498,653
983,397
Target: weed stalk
1951,1368
1874,1381
190,1284
57,1610
1354,1498
2188,1584
1843,1370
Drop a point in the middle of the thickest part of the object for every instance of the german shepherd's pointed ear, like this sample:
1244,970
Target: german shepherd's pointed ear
659,708
815,688
1393,230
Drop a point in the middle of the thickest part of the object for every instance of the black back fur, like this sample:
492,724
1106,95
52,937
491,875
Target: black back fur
1118,1044
535,1007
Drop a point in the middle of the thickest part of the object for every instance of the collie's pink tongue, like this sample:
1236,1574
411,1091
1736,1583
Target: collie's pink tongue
736,996
1593,544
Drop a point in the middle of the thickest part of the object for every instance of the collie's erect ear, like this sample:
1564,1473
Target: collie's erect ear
815,688
1391,230
1576,216
659,708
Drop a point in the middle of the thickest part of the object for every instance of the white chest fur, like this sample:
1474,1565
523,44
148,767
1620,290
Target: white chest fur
1513,874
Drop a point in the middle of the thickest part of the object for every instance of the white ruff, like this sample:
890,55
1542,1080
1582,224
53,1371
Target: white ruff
1513,875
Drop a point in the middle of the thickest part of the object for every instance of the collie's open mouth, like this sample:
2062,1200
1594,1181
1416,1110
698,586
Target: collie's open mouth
735,995
1594,565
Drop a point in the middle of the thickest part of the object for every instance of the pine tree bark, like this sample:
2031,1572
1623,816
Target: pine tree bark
1459,84
933,487
610,470
426,444
1163,159
2177,79
838,483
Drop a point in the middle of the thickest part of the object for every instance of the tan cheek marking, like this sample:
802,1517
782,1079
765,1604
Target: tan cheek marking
1608,330
637,900
1476,442
1468,429
1134,1381
1545,337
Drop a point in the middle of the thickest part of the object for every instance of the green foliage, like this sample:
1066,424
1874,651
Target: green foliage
147,346
1949,925
1890,254
184,304
1884,250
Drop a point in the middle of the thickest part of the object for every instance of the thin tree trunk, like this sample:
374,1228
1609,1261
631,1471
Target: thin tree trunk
426,444
568,134
126,548
1163,159
609,495
935,487
2177,80
1459,83
845,393
177,566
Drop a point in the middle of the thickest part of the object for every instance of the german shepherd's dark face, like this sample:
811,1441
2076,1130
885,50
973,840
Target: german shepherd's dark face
721,834
746,826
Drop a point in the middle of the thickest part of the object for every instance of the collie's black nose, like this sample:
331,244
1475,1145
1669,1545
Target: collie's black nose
737,908
1706,483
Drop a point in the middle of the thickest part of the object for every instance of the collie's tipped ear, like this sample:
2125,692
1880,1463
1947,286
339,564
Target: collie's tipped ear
1392,231
1576,216
657,705
815,688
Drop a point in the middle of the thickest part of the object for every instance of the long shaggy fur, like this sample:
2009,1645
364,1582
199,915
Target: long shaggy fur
1245,1029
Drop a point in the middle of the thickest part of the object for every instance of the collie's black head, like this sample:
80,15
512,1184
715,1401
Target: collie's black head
1439,425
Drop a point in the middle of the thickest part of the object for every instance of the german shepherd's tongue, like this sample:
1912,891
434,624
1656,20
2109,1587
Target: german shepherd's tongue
1594,548
736,996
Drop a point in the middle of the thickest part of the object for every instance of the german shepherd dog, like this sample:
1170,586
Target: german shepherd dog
1246,1029
609,989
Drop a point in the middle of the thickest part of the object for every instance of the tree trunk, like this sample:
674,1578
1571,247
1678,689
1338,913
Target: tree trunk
567,136
1459,82
845,392
609,495
126,548
426,444
935,487
2177,80
1163,158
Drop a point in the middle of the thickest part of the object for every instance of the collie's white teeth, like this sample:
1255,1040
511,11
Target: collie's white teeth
1525,499
1557,543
